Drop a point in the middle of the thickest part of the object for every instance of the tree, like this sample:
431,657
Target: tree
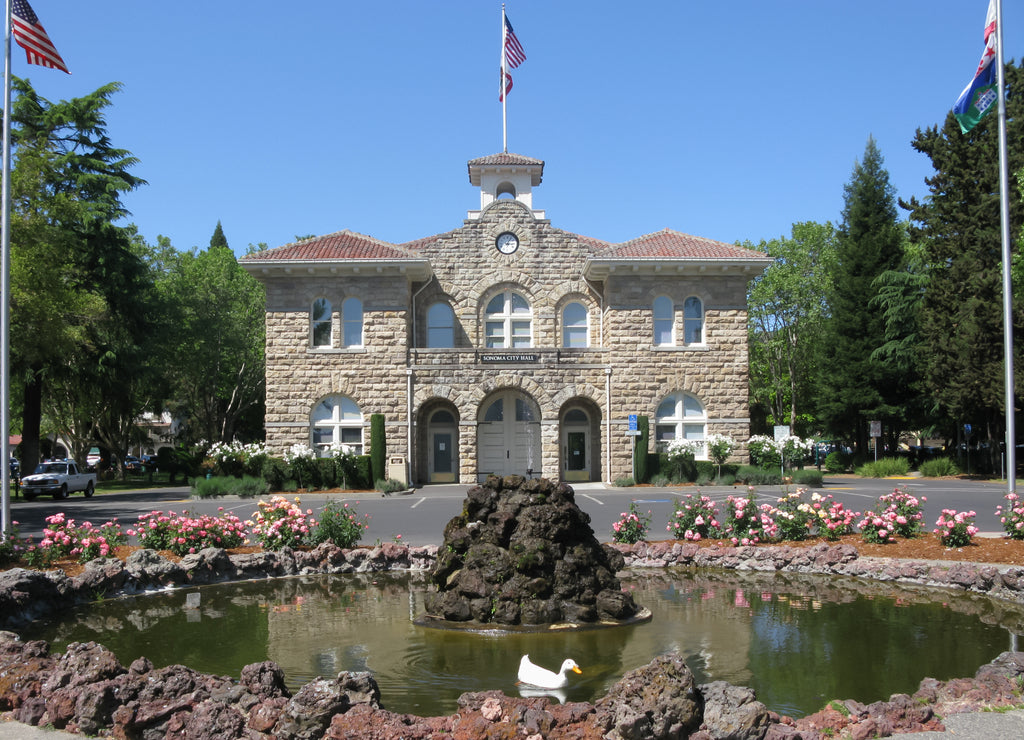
854,388
786,311
67,183
958,225
218,381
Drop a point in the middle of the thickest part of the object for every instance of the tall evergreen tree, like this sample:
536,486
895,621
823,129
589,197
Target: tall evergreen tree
72,281
218,239
958,225
855,388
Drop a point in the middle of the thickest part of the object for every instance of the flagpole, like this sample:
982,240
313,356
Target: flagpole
1004,218
6,525
501,86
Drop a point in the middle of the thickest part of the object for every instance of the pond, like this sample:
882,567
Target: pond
798,640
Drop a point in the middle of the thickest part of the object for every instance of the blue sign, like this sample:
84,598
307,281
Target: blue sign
632,422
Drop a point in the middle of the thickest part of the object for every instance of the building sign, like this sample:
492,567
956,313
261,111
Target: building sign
508,357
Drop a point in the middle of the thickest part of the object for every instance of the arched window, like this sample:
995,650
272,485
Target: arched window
352,322
574,326
664,318
693,321
681,416
320,330
337,420
440,325
507,323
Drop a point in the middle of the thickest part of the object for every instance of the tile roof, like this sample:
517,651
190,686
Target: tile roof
669,244
341,245
504,159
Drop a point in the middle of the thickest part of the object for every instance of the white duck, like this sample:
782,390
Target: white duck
534,675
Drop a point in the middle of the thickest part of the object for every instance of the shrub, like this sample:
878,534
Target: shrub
695,518
274,472
184,534
250,487
212,487
641,449
831,518
792,515
885,467
280,523
751,475
1012,516
378,446
660,480
719,448
897,514
744,523
390,485
809,478
680,454
955,528
62,538
836,462
632,525
340,525
301,462
11,547
623,482
237,459
940,467
764,453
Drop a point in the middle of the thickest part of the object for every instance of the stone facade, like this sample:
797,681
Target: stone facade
502,392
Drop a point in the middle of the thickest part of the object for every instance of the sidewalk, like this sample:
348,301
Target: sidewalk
974,726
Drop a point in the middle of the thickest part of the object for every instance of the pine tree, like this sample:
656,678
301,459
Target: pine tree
958,224
855,387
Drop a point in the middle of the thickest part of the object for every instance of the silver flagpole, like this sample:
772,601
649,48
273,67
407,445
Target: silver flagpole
6,526
504,93
1004,217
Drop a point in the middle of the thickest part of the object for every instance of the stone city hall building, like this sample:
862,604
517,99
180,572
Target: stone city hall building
506,345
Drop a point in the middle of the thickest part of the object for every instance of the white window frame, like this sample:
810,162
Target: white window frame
352,322
664,313
440,327
503,329
336,420
320,320
681,416
692,321
572,327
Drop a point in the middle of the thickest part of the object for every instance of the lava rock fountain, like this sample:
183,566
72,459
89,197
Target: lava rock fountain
522,555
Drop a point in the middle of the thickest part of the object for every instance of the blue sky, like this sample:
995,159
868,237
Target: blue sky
730,121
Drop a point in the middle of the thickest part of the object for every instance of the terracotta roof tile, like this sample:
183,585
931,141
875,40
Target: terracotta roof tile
669,244
341,245
504,159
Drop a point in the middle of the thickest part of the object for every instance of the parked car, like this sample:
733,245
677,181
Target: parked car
60,478
132,464
15,468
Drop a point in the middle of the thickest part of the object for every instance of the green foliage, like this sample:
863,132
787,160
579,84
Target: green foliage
378,447
837,462
227,485
339,524
751,475
361,473
280,523
808,478
390,485
640,451
632,525
275,473
939,467
884,467
785,319
853,386
624,481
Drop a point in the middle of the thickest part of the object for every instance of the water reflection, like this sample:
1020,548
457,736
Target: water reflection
798,640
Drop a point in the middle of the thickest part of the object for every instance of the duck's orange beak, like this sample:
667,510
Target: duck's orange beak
575,669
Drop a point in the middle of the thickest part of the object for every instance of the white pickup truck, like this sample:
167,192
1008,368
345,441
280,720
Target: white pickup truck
60,478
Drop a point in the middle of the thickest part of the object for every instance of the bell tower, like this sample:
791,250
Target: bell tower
505,175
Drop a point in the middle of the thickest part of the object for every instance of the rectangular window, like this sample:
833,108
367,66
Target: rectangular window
495,331
520,333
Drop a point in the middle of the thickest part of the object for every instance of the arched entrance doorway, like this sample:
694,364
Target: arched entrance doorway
576,448
442,447
508,435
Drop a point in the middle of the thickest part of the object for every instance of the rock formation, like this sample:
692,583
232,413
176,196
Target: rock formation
523,553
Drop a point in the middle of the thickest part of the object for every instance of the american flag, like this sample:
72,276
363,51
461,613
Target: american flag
32,37
514,54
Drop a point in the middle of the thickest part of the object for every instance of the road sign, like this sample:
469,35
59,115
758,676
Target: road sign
632,423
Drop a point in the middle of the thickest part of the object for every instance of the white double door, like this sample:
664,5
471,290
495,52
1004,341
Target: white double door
508,436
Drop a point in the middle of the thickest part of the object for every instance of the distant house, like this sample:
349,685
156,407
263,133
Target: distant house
506,345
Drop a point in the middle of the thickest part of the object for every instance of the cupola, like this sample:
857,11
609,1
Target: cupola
505,175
